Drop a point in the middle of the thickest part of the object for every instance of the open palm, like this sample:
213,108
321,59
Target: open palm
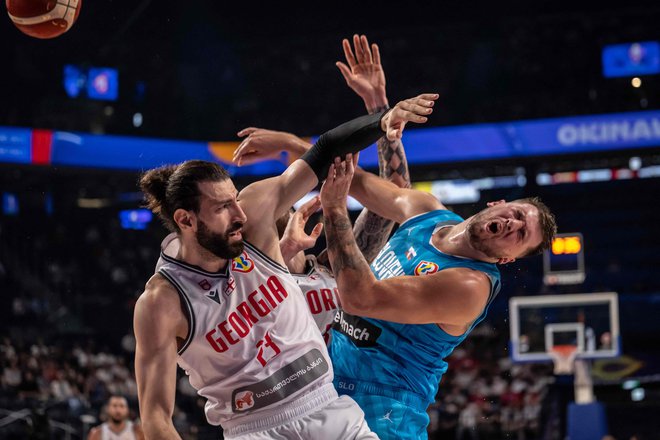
364,73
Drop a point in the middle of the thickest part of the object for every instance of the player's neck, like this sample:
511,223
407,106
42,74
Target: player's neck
194,254
117,427
455,241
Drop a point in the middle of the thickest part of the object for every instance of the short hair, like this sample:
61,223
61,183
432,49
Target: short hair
118,396
173,187
547,223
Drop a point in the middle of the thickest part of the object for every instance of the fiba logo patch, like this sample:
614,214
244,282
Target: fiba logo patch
426,268
242,263
244,401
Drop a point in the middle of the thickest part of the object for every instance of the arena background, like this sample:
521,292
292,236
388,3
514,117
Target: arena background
71,270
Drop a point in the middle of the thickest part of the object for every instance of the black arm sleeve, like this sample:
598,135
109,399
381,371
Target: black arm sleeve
349,137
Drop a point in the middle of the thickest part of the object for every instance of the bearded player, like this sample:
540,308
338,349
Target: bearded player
426,290
364,74
222,305
118,426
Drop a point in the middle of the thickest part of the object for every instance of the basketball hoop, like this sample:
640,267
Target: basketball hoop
563,357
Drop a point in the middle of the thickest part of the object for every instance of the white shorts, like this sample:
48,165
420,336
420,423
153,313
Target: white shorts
340,418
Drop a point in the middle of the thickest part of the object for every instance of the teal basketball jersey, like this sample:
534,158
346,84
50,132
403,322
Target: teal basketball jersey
373,356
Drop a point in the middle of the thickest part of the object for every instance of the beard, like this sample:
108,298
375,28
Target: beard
218,244
475,230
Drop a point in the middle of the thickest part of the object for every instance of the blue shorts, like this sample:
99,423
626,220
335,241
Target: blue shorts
392,414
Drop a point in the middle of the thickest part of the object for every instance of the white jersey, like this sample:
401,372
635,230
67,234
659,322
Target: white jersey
319,288
252,344
126,434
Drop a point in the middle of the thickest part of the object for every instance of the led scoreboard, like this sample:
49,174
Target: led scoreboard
563,263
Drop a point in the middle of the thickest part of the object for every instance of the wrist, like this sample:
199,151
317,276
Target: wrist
289,248
376,102
296,147
332,210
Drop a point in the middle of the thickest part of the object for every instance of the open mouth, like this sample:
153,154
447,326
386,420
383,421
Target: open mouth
494,227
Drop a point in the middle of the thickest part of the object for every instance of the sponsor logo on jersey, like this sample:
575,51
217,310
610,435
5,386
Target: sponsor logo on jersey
288,380
244,400
213,294
242,263
360,331
426,268
204,284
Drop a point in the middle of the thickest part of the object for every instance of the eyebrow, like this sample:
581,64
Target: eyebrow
227,200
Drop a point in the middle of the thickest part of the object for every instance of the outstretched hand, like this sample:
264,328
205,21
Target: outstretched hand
364,72
294,238
262,144
334,191
410,110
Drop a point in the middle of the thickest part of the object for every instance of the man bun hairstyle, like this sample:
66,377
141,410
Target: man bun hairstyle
173,187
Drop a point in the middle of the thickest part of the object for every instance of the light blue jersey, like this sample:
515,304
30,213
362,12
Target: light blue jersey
393,370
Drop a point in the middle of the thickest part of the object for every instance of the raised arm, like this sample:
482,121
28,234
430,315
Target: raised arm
453,297
158,321
266,200
390,201
364,74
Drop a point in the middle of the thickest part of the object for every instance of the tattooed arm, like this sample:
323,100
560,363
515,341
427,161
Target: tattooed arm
365,76
452,298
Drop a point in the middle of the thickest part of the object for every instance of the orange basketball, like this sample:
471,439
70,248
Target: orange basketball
43,18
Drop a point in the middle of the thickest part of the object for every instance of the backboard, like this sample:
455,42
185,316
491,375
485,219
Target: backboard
589,321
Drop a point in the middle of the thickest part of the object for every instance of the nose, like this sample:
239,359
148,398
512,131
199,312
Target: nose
514,224
239,214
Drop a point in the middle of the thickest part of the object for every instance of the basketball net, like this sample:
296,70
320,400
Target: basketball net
563,357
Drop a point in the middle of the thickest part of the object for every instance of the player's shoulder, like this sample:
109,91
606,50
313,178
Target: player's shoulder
435,216
159,293
95,433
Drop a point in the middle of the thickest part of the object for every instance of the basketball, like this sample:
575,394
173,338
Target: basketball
43,18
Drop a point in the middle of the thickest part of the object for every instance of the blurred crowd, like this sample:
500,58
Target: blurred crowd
482,396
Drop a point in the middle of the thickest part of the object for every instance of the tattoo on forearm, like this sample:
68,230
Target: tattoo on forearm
371,233
392,162
342,248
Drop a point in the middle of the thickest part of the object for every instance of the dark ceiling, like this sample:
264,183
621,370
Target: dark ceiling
207,69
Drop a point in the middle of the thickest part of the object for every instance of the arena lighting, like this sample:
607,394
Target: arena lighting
637,395
137,120
600,175
636,82
635,163
89,203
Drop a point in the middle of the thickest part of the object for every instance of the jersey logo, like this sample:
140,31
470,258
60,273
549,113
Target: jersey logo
242,263
204,284
231,285
387,417
213,294
411,253
244,400
426,268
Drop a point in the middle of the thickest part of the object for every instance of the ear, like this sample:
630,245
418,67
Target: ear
185,219
505,260
498,202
